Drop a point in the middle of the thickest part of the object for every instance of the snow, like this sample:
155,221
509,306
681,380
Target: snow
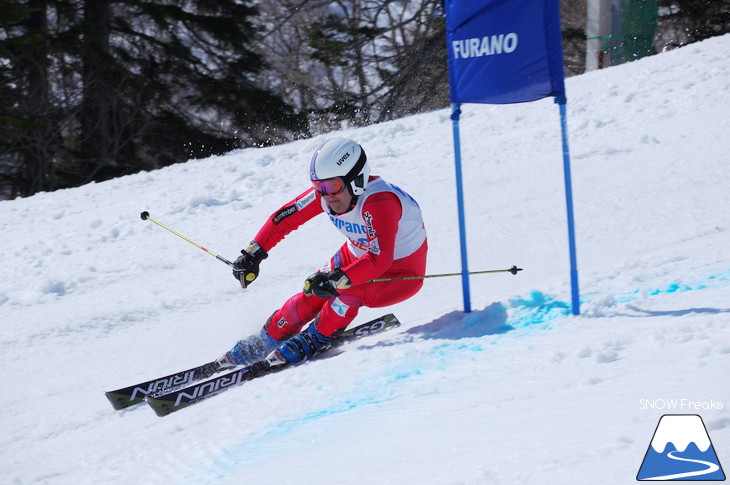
92,298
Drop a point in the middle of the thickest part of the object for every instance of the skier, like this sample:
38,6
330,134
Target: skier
386,239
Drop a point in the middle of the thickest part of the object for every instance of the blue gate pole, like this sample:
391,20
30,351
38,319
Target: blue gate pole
455,114
561,100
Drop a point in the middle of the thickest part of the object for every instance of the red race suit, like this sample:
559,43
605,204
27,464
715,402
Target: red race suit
386,238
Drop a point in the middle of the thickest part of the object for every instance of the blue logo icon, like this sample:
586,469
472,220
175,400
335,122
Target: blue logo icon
680,450
339,307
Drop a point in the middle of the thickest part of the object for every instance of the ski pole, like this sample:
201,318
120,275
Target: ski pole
513,270
146,217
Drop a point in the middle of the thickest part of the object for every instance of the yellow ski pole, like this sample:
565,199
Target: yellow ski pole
146,217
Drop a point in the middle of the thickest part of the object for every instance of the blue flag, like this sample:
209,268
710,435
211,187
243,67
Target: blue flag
504,51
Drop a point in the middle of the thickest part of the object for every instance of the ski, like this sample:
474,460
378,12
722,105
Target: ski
135,394
166,402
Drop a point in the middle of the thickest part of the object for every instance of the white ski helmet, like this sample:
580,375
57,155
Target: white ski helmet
339,163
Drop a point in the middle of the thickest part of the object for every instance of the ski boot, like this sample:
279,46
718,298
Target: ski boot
303,345
249,350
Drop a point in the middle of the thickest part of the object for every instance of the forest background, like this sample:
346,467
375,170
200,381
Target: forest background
95,89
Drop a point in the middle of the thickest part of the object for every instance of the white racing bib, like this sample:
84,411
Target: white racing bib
358,228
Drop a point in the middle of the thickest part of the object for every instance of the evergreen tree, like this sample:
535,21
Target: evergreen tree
99,88
28,126
166,81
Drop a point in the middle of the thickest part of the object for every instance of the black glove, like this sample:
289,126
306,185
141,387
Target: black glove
246,267
325,284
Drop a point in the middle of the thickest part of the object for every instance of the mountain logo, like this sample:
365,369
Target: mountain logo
680,450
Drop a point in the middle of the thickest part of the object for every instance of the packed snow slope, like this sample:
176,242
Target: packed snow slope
92,298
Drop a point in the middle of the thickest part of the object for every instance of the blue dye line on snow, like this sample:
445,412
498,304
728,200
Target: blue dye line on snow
455,336
373,390
538,309
718,280
237,458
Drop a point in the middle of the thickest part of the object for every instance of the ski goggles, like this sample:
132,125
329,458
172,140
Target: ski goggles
330,187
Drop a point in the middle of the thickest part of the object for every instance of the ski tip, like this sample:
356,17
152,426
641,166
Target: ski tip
144,215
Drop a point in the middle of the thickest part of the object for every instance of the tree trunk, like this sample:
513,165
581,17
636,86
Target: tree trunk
96,103
36,152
